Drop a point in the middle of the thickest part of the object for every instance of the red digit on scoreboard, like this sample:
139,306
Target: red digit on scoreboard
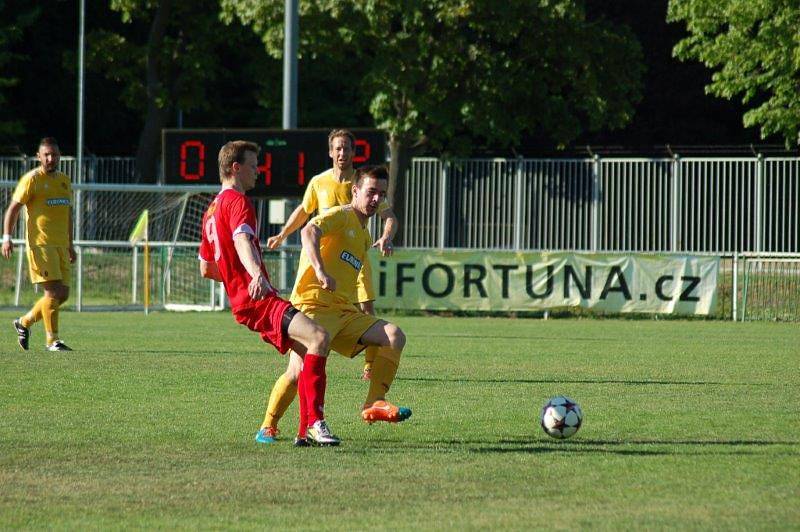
362,154
201,160
301,168
266,168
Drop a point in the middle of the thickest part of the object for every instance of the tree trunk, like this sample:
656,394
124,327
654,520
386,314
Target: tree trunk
401,152
155,118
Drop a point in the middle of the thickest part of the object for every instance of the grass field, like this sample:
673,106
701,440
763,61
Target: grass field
150,423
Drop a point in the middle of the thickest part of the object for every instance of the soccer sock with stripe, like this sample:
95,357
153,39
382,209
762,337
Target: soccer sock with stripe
50,318
302,408
384,370
279,400
369,356
314,381
34,314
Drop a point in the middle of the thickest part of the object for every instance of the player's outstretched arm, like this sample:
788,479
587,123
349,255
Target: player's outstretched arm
390,225
296,220
250,259
9,222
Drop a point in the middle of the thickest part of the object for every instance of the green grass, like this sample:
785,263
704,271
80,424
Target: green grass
150,424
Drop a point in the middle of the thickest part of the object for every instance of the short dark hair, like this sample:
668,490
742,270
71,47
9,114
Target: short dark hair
233,152
374,171
48,141
341,133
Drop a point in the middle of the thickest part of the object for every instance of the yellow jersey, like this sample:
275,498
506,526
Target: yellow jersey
343,247
325,191
48,200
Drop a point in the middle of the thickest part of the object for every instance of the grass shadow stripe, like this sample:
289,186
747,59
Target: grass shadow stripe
581,381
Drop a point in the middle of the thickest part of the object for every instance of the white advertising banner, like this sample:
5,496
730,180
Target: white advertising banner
509,281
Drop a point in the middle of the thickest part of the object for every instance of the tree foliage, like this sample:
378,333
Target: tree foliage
443,71
456,74
754,48
13,22
176,55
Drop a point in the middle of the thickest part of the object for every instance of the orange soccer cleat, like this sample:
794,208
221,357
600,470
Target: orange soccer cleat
385,411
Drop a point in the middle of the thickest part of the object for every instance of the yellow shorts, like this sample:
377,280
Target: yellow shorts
364,288
49,263
344,323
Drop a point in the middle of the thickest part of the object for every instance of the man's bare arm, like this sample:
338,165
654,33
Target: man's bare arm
390,225
259,286
296,220
9,222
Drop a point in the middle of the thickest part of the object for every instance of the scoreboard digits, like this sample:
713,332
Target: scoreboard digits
288,158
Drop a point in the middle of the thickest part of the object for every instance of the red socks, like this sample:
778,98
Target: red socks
312,384
302,408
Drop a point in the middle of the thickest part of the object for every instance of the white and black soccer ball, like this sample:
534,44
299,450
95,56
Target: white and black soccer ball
561,417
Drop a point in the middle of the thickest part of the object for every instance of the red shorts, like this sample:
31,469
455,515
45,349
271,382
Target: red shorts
265,316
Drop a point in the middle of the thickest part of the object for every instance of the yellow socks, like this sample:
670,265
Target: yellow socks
384,368
50,318
369,356
279,400
34,314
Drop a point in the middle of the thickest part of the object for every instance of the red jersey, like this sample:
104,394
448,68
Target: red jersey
229,214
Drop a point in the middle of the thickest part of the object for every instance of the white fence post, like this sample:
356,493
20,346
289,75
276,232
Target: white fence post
596,197
675,204
518,190
443,207
18,288
134,272
759,221
79,267
735,296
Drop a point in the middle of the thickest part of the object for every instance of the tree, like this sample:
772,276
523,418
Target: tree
176,55
754,45
13,22
452,74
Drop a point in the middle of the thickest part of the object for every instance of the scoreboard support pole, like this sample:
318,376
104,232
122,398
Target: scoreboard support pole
290,48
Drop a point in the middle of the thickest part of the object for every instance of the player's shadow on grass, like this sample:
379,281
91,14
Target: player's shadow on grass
579,381
531,448
527,447
758,443
680,447
582,446
515,337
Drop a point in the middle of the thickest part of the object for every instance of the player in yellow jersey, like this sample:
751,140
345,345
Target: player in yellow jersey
324,191
335,246
46,194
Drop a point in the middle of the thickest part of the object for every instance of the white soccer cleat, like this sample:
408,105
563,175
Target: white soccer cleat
320,434
58,345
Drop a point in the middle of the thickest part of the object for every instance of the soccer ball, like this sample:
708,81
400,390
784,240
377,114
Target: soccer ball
561,417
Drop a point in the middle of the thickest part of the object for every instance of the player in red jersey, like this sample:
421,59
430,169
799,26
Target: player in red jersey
230,253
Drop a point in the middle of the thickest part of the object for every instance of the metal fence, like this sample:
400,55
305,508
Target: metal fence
743,209
719,205
95,169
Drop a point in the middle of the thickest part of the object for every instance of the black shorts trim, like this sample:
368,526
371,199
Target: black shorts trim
288,316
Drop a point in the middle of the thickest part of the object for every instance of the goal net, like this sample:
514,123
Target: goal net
771,288
112,270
